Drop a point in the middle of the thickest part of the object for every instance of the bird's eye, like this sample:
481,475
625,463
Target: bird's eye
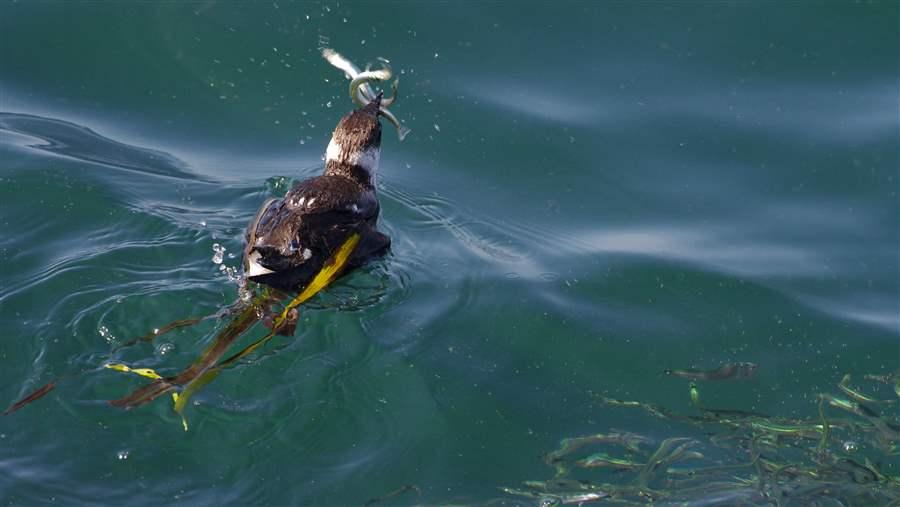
295,245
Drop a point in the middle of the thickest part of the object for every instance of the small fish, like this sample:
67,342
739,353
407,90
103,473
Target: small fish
722,413
653,410
669,451
856,395
361,92
893,378
581,498
797,430
548,500
889,430
724,372
560,485
885,379
568,446
603,460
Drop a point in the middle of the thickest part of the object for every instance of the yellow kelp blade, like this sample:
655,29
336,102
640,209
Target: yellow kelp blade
321,280
144,372
182,399
326,275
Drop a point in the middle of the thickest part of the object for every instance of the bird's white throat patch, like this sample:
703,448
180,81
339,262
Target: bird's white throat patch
366,159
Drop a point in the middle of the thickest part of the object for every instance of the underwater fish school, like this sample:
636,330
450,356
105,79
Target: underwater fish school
425,253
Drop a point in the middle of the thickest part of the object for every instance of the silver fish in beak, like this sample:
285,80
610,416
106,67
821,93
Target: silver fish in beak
361,91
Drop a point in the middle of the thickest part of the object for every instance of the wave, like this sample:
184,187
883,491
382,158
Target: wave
66,139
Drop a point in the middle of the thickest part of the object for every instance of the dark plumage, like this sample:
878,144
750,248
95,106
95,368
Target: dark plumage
290,239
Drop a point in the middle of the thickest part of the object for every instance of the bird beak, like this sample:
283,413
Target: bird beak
254,268
374,105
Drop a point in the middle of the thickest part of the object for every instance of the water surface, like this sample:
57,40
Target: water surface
591,194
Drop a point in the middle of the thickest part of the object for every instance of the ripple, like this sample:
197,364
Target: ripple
443,213
73,141
776,246
539,292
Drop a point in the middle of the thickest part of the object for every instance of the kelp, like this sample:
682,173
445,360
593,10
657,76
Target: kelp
152,335
737,457
208,359
145,372
207,367
32,396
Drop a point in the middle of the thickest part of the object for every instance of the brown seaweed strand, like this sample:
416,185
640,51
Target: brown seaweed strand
220,345
35,395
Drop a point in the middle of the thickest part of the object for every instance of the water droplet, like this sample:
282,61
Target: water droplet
165,348
218,253
850,446
106,334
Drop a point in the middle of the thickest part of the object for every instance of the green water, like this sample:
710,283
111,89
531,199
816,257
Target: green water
591,194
